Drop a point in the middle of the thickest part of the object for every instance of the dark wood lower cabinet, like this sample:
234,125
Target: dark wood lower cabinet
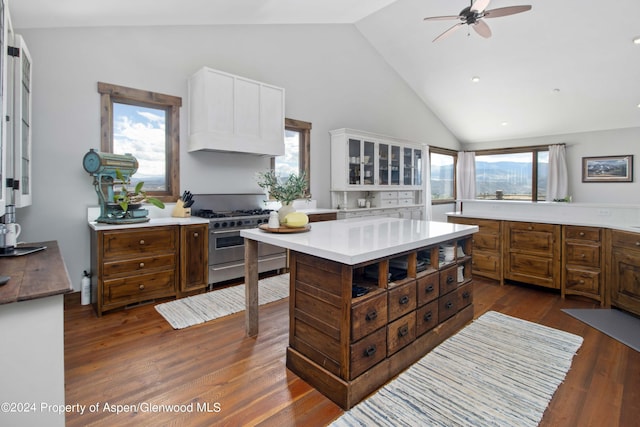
347,347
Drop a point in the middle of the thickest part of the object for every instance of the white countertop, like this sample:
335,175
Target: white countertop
153,222
356,240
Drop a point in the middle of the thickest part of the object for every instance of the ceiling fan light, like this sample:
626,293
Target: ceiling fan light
475,79
636,40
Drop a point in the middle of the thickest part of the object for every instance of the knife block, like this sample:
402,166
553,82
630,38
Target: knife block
179,211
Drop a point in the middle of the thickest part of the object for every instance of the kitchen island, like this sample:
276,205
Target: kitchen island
368,297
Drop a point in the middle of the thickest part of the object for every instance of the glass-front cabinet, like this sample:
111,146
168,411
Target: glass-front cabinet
362,161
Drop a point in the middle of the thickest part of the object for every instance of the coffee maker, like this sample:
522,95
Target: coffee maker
9,230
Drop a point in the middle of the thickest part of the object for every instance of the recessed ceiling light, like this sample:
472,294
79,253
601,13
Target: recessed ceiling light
475,79
636,40
504,124
556,90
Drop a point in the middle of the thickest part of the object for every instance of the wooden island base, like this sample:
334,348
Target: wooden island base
348,393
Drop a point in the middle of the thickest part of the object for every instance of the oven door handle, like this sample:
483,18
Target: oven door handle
225,231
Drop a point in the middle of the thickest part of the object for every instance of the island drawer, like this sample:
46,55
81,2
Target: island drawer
139,265
428,288
448,279
139,288
124,243
401,332
465,295
367,352
447,306
426,318
402,300
368,316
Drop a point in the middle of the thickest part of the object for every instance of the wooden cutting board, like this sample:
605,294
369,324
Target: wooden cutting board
265,227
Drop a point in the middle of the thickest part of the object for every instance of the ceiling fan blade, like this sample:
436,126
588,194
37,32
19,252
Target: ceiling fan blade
441,18
504,11
449,31
479,5
482,28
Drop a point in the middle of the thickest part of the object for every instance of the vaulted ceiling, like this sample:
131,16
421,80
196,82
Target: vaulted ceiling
562,67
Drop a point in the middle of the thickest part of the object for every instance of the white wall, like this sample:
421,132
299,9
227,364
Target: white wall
579,145
333,78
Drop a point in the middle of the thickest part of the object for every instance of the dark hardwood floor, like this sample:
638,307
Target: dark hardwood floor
211,374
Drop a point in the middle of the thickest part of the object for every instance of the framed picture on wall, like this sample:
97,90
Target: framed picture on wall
607,169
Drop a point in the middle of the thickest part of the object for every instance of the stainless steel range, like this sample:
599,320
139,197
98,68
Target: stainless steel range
228,214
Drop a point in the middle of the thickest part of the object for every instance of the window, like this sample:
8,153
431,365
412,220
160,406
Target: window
512,174
443,175
296,159
146,125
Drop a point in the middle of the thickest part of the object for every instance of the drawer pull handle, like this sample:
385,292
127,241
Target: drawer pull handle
141,287
404,300
372,315
142,265
427,316
370,351
530,228
582,255
403,331
581,282
142,241
466,295
428,289
195,234
449,304
582,234
637,243
449,280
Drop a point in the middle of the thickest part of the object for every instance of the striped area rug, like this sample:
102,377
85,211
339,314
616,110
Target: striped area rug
185,312
497,371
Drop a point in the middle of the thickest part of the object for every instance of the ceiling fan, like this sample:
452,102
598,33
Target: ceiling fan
473,16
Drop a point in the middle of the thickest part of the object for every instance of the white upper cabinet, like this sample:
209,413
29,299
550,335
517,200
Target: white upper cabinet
4,23
19,127
232,113
366,161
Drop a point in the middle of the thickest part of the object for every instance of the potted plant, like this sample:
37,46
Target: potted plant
284,190
126,199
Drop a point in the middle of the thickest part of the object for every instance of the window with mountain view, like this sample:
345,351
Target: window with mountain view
512,175
443,174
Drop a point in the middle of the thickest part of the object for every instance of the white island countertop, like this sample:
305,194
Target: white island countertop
355,240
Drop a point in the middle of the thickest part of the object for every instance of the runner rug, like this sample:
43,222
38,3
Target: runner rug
185,312
617,324
497,371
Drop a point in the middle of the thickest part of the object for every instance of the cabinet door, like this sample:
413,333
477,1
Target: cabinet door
394,165
383,164
361,157
194,257
21,123
417,167
625,275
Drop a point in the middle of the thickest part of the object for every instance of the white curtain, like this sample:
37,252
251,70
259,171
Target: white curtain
426,183
557,180
466,175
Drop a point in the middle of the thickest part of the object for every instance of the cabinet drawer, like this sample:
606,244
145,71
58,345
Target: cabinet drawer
465,295
139,288
367,352
387,195
587,255
625,240
428,288
486,263
533,237
139,265
583,281
405,202
484,241
485,225
401,332
140,241
402,299
368,316
388,202
448,279
447,306
426,318
405,195
582,233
